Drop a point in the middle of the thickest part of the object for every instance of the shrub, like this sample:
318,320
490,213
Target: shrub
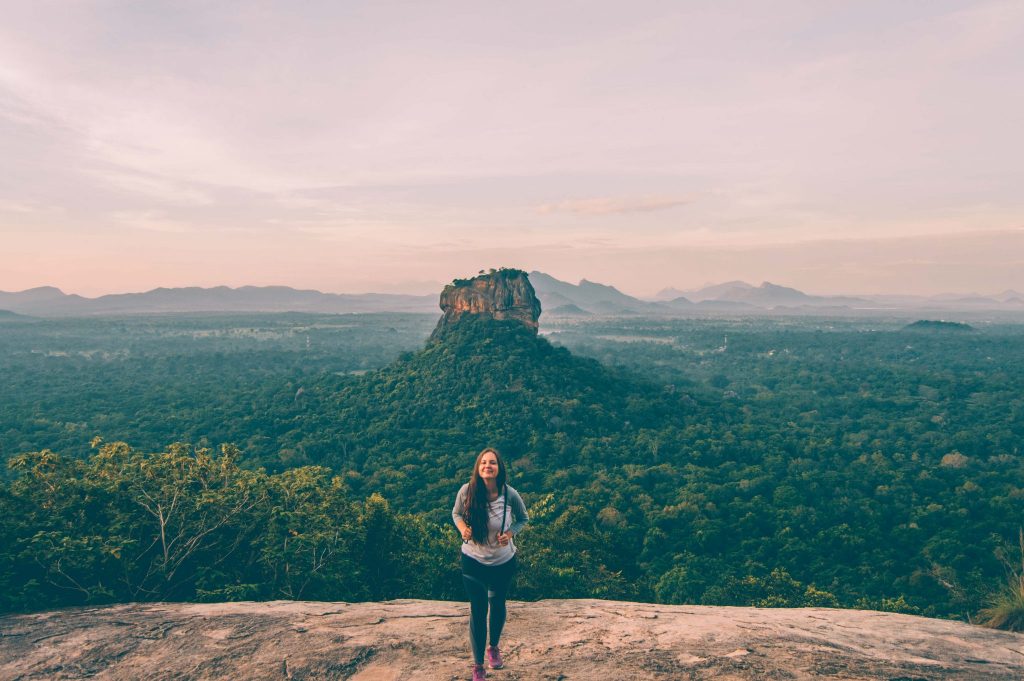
1006,606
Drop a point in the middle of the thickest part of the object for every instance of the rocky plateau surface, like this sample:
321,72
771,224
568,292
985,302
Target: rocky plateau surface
555,640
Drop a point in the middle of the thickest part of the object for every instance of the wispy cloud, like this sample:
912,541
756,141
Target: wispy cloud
153,221
24,207
613,205
154,187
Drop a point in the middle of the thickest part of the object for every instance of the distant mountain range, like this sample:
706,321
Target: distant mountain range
48,301
8,316
766,295
558,298
737,297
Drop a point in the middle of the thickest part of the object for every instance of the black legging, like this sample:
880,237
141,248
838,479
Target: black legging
486,585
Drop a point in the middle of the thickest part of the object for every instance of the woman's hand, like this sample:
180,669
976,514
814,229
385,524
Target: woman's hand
467,533
504,538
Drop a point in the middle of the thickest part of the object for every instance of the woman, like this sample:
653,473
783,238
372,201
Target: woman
488,514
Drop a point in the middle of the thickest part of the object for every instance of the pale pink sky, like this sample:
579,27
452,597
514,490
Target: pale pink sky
839,147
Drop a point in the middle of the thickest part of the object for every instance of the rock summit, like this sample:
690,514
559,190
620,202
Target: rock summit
500,294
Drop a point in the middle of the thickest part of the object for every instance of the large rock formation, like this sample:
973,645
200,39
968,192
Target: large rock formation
428,641
502,294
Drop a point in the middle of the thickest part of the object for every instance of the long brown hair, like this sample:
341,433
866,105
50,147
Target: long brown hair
476,496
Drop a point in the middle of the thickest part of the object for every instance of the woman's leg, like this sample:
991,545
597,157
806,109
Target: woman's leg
476,590
500,583
497,608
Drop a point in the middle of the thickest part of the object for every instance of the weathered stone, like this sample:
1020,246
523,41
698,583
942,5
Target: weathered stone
501,294
428,641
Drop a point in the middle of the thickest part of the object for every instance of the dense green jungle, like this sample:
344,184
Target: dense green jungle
767,461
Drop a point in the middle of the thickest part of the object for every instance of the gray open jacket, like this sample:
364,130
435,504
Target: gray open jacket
515,520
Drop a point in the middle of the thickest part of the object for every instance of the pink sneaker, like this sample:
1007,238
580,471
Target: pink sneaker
478,672
494,657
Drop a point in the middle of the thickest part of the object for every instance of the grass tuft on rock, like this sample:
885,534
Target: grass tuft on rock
1006,606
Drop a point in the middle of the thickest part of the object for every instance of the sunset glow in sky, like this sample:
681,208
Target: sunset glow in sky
838,147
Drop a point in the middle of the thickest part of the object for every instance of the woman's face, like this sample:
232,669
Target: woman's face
488,467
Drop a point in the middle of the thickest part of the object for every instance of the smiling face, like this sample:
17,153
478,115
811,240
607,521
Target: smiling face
489,469
487,465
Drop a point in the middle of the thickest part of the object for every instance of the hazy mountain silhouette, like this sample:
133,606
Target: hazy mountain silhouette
725,291
587,295
8,316
1009,296
571,310
730,296
558,297
667,294
50,301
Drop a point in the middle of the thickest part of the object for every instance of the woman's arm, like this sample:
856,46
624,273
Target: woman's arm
519,514
459,512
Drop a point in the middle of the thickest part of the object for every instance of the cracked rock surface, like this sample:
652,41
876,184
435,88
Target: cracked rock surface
563,639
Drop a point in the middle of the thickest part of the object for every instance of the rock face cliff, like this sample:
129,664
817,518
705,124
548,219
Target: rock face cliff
565,639
501,294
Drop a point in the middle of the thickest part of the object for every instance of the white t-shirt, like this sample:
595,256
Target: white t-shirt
509,504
